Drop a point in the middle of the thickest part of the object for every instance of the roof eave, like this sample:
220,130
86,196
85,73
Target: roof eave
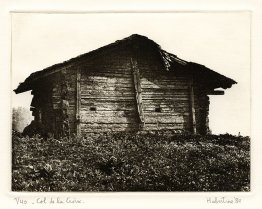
23,87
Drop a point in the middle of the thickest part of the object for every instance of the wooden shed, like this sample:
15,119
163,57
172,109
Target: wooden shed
131,84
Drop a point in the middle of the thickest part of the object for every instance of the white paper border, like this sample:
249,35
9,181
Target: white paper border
131,200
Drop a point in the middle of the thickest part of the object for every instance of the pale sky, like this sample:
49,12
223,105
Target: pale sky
220,41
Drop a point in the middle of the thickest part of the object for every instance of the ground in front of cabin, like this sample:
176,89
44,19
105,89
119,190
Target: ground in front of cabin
152,161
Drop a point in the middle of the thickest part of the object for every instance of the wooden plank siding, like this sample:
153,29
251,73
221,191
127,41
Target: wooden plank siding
107,95
102,95
163,106
165,96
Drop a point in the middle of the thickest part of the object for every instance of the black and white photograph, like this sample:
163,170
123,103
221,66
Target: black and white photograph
131,102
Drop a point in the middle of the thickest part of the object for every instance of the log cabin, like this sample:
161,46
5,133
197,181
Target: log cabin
129,85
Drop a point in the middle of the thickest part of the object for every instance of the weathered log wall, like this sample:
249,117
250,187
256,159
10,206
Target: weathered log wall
201,110
107,94
165,96
64,102
99,95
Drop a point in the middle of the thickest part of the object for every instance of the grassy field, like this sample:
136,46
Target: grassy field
158,161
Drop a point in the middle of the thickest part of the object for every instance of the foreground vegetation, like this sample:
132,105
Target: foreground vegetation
158,161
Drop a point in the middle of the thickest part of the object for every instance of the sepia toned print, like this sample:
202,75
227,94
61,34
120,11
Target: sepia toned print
128,116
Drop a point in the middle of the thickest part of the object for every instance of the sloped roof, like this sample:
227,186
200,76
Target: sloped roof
169,60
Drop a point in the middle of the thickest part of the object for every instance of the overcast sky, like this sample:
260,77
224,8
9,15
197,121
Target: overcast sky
220,41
